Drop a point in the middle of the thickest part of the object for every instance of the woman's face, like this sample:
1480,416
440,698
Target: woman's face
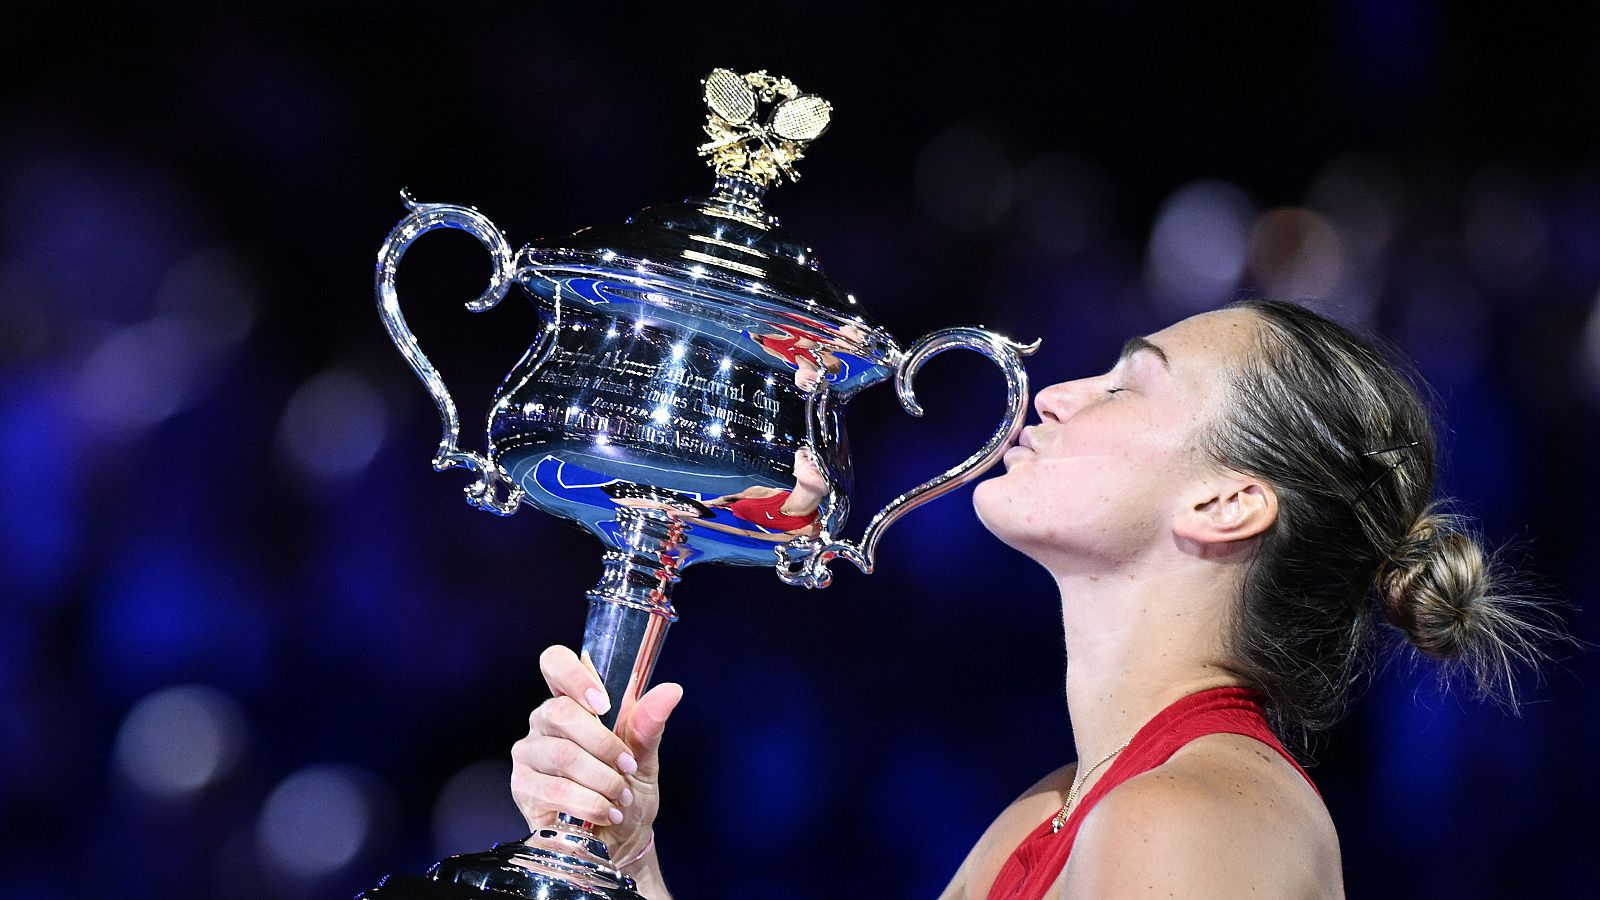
1115,456
806,472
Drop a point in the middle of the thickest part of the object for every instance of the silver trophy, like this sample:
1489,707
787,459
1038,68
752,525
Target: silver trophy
682,402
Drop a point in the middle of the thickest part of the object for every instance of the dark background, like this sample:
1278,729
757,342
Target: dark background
252,647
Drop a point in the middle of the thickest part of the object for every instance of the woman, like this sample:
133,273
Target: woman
782,514
1228,513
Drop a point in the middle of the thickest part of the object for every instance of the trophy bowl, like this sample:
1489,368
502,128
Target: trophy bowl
682,401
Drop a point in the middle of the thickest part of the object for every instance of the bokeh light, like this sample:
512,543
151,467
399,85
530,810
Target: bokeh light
475,809
143,373
332,427
1590,352
1295,254
317,821
213,288
179,740
1198,246
1365,201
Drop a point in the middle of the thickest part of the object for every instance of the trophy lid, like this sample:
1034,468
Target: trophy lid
724,255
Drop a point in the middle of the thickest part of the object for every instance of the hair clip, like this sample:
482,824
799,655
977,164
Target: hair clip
1404,458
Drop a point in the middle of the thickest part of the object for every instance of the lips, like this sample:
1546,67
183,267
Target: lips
1014,455
1021,449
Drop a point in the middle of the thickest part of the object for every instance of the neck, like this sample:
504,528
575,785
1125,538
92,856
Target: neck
801,500
1136,643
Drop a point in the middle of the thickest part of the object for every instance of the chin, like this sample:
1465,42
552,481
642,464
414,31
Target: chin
1049,528
993,503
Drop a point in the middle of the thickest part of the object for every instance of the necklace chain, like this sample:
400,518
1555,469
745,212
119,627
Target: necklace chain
1077,785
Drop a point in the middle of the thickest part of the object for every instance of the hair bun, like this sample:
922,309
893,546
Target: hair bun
1434,586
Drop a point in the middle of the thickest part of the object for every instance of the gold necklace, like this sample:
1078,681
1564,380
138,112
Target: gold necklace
1077,785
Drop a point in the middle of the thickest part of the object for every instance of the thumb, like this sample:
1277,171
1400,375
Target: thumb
646,722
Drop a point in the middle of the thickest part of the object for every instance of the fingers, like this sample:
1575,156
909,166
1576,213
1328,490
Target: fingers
540,797
561,758
569,676
563,717
646,723
571,763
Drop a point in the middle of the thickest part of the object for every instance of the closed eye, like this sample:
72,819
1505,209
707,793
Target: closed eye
1115,390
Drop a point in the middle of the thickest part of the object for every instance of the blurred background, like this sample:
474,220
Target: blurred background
252,646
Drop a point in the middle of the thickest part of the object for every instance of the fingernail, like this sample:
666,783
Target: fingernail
615,815
627,764
627,797
597,701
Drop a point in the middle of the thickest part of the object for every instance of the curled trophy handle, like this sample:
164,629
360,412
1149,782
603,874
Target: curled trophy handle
494,491
804,561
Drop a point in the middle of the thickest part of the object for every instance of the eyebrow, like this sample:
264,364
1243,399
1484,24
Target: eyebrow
1136,344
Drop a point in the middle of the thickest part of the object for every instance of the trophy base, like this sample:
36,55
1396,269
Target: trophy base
558,863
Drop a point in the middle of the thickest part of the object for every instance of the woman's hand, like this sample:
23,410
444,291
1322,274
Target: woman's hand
571,763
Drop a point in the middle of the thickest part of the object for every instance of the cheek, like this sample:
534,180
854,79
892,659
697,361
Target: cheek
1066,501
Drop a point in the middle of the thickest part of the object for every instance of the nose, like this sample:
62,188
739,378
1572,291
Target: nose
1058,402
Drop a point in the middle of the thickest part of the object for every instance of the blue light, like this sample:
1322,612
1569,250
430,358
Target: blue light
167,610
40,519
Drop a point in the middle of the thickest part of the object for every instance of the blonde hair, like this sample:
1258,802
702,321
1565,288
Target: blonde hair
1346,441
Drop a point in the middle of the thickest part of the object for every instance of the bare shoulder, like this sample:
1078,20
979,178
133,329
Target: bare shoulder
989,854
1225,817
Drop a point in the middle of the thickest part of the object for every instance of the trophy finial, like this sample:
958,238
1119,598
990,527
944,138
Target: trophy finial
751,150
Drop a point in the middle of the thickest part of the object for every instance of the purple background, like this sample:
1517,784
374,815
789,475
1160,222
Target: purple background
250,646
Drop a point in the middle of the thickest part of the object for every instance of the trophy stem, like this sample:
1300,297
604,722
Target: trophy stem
630,609
629,613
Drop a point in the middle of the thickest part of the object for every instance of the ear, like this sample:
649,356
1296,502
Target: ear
1226,509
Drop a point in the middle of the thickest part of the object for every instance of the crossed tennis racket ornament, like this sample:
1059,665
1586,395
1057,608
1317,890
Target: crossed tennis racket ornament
742,147
681,400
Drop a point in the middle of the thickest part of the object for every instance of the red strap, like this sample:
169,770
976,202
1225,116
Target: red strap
1037,862
768,513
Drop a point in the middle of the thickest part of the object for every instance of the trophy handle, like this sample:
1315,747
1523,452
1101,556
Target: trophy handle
804,561
494,491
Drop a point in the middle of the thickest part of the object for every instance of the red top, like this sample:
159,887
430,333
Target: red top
768,513
786,344
1037,862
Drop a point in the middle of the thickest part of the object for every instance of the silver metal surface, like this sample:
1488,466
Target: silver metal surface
493,491
804,561
682,400
664,378
562,862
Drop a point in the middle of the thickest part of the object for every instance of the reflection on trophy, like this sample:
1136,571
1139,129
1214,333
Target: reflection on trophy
682,402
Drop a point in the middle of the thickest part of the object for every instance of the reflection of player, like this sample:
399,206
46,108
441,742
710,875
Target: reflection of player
801,349
783,514
639,496
807,374
810,351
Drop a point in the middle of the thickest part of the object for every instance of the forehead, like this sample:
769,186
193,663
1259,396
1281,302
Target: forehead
1208,339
